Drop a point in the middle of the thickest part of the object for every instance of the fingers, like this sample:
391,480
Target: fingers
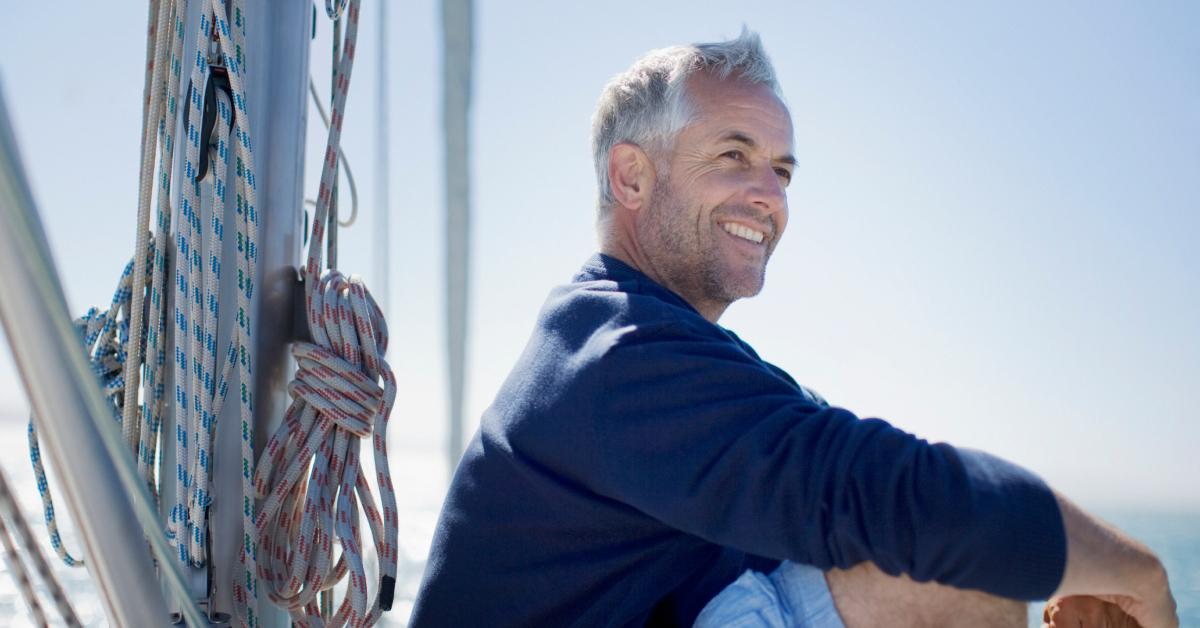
1085,611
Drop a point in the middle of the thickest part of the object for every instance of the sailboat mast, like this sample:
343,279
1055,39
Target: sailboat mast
278,42
457,34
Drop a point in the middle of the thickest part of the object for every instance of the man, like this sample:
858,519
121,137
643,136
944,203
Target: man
642,465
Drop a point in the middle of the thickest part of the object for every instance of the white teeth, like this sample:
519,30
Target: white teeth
744,232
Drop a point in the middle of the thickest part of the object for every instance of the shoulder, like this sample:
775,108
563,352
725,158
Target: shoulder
595,335
589,318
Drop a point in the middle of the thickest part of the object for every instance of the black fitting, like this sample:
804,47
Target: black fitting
218,78
387,590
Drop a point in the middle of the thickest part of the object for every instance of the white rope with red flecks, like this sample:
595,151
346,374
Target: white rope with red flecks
309,472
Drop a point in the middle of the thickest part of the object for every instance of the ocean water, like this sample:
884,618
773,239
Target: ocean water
420,478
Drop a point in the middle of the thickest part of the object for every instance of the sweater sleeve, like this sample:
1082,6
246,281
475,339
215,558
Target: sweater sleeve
706,439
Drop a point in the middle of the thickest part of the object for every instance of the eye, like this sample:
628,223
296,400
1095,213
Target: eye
735,154
784,174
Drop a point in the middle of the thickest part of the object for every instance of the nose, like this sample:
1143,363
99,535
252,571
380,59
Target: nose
767,193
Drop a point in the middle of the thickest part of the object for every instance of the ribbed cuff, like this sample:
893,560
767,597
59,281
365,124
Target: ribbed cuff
1019,531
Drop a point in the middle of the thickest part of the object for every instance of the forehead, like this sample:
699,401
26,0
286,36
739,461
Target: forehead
724,106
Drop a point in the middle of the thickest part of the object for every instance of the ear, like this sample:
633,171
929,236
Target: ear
630,175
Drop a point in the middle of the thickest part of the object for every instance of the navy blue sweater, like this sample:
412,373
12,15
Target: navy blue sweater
639,458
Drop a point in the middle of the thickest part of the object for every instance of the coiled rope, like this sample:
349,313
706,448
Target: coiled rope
344,389
310,473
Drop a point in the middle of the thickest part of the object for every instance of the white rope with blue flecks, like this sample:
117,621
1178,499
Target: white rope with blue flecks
230,32
43,487
115,339
202,381
199,389
105,337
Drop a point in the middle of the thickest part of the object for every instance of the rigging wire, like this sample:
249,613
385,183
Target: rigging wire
10,515
331,239
21,575
382,152
316,99
457,28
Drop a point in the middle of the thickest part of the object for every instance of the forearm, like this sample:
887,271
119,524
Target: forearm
1106,563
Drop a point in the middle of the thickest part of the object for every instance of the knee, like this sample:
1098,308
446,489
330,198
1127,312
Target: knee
865,596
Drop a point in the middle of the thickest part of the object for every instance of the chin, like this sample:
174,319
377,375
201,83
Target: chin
742,284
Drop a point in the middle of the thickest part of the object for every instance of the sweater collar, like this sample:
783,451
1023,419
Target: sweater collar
600,267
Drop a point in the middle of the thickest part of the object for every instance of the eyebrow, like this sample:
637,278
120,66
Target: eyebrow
748,142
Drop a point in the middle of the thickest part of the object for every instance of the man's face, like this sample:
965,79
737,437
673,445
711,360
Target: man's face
719,206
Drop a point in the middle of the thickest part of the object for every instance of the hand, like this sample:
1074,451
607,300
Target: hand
1106,565
1085,611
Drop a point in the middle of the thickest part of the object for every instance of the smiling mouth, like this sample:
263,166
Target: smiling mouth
743,232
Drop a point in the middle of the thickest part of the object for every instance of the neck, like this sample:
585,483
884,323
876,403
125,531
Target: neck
632,255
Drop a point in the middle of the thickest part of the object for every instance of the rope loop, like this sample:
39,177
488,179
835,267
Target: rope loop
105,336
335,8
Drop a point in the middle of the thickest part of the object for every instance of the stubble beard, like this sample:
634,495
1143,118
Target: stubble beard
692,269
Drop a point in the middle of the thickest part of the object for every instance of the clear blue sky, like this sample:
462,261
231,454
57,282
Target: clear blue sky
993,222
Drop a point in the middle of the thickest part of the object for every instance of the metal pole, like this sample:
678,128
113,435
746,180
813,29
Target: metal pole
382,143
98,476
456,102
331,221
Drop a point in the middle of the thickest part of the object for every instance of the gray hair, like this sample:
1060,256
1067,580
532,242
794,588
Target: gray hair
648,104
